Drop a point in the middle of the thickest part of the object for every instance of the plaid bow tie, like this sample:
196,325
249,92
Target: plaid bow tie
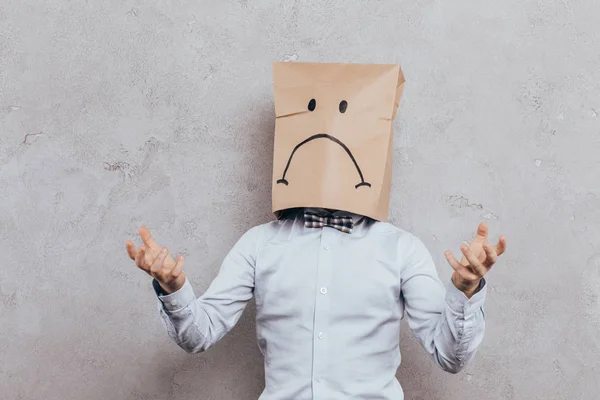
342,223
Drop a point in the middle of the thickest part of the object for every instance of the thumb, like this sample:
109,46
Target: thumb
176,272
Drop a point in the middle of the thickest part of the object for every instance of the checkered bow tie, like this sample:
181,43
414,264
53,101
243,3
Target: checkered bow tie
342,223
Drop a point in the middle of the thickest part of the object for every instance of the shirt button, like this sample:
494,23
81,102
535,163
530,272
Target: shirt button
325,247
321,335
174,303
323,290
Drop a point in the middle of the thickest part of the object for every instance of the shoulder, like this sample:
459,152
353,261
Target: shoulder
272,231
388,229
251,242
402,239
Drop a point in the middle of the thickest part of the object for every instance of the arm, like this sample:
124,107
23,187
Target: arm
196,324
448,325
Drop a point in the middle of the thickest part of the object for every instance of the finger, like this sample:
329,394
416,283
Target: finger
463,271
480,236
474,262
490,255
130,249
482,255
482,231
176,271
147,238
157,265
477,251
501,246
139,258
463,260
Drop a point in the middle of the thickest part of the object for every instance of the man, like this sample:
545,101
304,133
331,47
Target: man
331,286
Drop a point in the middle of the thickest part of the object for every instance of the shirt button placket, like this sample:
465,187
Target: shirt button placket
322,315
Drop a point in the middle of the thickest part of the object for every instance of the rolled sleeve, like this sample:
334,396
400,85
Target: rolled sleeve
466,321
461,304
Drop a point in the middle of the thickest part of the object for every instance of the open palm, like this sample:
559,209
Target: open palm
156,261
478,258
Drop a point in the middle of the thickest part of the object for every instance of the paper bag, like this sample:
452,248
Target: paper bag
333,136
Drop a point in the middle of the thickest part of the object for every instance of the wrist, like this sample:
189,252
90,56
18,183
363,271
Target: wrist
468,288
173,286
470,292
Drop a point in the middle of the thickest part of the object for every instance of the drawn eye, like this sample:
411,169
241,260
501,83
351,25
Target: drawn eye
312,104
343,106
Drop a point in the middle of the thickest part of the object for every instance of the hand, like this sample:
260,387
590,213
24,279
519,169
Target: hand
478,258
156,262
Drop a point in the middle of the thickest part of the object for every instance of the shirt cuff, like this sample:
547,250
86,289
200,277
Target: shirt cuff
461,304
176,300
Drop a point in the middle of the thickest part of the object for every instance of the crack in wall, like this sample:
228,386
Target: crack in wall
462,202
26,140
120,166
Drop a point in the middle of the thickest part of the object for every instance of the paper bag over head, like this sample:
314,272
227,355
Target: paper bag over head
333,136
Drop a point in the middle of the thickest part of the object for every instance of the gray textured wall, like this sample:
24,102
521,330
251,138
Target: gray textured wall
115,114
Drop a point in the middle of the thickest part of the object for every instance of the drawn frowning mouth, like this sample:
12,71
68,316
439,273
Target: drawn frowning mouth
333,139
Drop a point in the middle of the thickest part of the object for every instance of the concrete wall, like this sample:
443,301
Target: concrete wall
115,114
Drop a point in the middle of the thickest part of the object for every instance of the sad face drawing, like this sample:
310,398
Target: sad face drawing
343,106
333,136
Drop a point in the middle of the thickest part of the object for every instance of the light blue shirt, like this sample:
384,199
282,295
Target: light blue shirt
328,308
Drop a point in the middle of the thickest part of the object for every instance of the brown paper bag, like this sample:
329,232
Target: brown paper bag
333,136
